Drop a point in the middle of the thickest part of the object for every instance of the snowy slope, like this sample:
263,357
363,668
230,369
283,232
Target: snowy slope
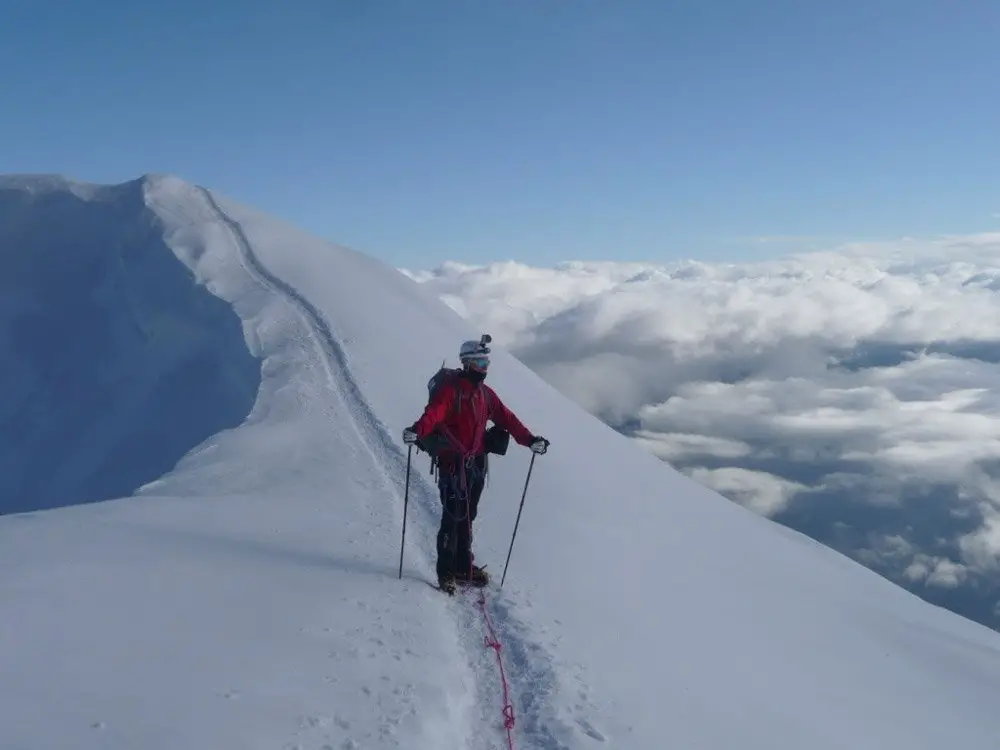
248,598
115,364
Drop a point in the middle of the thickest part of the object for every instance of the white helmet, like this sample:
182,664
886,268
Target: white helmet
476,354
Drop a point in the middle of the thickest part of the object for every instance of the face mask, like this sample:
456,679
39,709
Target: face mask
475,377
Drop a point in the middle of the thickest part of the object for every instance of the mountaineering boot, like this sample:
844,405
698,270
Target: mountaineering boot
479,576
447,584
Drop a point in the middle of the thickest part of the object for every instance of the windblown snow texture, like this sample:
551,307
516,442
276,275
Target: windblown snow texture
247,596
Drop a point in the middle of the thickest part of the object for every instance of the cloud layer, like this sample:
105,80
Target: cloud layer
852,395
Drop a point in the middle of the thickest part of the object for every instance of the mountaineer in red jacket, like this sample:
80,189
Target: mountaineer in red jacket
454,422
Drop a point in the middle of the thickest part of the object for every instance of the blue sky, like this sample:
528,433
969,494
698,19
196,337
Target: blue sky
538,130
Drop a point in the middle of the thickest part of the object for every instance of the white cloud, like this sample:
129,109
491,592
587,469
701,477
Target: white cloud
936,571
673,445
759,491
981,548
851,393
947,574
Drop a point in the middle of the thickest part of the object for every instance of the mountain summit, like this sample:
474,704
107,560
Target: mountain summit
204,481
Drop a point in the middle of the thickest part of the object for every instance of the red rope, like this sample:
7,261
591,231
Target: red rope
493,642
490,639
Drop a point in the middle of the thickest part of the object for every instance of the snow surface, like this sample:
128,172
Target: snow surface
248,597
115,363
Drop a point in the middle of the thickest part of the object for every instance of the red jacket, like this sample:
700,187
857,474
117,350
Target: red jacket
461,409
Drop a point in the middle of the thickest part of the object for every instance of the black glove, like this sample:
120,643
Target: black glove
539,444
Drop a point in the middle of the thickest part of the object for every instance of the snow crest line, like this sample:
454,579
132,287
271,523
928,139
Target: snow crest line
334,355
372,433
378,442
375,437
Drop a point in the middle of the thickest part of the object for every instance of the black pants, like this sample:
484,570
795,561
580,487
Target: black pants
459,504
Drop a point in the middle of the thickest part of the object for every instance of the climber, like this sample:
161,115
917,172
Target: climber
453,430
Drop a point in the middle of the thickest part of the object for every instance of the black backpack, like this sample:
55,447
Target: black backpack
434,443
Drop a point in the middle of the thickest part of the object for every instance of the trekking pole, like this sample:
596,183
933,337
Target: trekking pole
406,501
518,521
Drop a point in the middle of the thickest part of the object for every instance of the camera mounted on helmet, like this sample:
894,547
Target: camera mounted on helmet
475,355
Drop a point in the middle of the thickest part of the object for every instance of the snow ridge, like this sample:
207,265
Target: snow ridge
252,592
371,433
40,184
537,677
334,358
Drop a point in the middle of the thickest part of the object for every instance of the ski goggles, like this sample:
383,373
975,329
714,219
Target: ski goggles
479,363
